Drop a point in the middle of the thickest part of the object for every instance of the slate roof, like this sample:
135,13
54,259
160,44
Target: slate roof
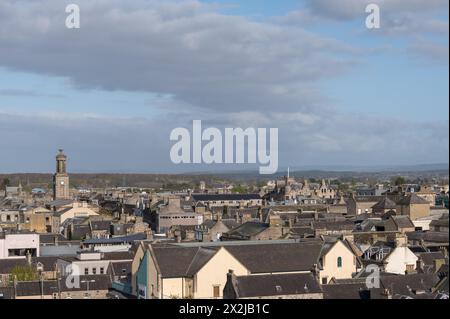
181,261
48,263
60,202
383,204
334,225
118,255
346,291
50,238
268,258
403,221
429,257
178,261
369,199
122,268
429,236
115,240
225,197
411,199
302,231
248,229
7,265
230,223
48,287
410,285
276,285
101,225
439,222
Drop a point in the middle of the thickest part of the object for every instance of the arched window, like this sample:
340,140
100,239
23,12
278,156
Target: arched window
339,262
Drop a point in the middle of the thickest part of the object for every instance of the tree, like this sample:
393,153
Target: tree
240,189
24,273
6,182
399,180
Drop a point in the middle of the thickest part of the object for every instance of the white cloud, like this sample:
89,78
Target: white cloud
225,70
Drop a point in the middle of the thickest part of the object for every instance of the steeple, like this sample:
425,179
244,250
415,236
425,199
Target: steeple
61,160
61,178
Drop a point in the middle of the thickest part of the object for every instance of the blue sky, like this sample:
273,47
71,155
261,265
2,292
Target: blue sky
135,71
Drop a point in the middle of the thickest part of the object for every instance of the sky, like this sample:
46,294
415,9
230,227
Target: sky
110,92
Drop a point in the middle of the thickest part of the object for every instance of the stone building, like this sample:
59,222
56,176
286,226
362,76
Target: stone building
61,178
427,194
413,206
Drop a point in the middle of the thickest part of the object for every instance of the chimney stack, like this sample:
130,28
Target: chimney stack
28,258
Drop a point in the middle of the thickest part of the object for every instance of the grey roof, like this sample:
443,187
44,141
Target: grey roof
412,199
115,240
48,287
7,265
403,221
429,236
60,202
101,225
247,229
230,223
439,222
121,268
209,223
181,261
368,199
270,258
118,255
50,238
334,225
48,262
185,260
276,285
385,203
345,291
80,231
302,231
410,285
225,197
428,258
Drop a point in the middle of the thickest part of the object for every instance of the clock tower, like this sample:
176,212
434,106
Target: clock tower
61,178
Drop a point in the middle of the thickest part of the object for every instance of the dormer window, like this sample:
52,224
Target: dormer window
39,266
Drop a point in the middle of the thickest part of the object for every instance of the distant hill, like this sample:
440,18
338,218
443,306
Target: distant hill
190,180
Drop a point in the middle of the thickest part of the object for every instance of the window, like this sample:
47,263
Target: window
216,291
86,271
102,270
339,262
94,271
324,280
410,268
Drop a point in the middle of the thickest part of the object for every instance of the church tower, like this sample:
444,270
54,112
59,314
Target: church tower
61,178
